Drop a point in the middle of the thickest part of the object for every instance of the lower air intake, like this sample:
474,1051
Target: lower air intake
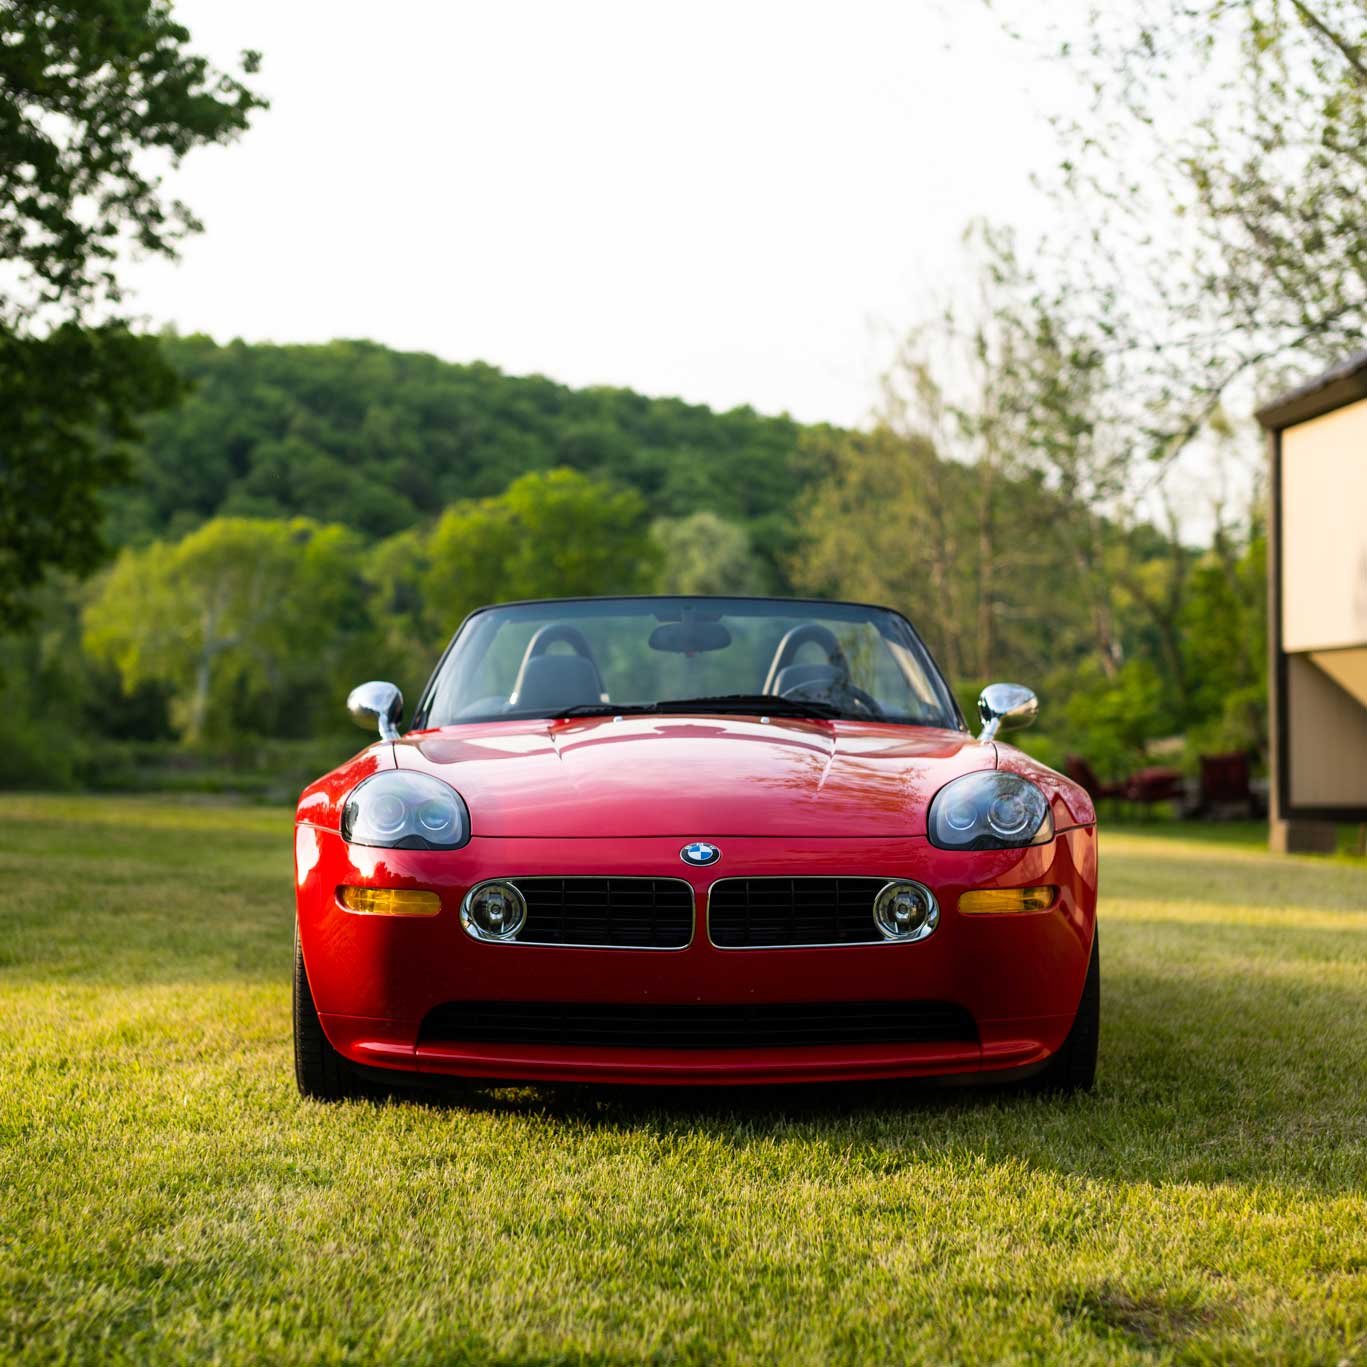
748,1026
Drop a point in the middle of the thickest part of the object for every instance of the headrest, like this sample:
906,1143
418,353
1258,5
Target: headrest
548,682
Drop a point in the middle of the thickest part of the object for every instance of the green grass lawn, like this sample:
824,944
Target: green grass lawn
166,1197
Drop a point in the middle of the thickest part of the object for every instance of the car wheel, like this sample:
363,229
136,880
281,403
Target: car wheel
1073,1067
321,1072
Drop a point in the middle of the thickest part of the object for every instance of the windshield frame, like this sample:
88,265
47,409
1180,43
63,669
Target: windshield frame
932,667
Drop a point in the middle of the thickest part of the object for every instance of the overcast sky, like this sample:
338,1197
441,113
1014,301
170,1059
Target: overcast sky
733,202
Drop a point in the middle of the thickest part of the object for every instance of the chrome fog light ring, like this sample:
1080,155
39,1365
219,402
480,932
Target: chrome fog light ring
494,910
905,911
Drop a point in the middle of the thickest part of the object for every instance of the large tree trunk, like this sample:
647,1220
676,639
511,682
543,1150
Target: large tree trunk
199,708
204,675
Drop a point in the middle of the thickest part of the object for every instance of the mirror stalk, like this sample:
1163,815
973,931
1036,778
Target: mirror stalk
376,704
1005,707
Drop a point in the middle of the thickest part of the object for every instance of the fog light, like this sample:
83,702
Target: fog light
905,911
1007,900
493,911
389,901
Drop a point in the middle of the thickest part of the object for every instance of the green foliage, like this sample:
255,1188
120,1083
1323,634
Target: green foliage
703,553
435,489
894,522
62,713
39,712
68,402
239,621
395,572
95,100
231,625
992,505
550,535
873,531
90,94
1224,638
380,440
256,626
1111,717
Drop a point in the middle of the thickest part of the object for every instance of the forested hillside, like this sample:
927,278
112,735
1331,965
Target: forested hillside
378,440
312,515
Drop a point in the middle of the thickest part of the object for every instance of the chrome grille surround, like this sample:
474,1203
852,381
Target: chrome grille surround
817,912
587,912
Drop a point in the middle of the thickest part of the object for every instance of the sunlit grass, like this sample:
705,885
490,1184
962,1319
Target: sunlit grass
168,1198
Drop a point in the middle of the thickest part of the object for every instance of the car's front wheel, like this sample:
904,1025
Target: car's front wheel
1073,1067
321,1072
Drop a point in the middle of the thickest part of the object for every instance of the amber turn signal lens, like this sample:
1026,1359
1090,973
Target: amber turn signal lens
389,901
1007,899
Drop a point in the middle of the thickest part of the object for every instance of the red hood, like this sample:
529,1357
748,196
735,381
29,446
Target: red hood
694,776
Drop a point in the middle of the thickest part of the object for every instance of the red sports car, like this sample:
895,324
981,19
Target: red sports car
692,840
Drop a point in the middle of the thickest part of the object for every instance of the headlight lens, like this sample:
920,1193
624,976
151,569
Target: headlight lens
993,810
405,811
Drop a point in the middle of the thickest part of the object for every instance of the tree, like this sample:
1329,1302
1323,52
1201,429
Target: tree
239,614
884,527
704,553
1218,178
999,503
383,440
1224,639
551,535
994,477
67,402
973,386
96,100
394,571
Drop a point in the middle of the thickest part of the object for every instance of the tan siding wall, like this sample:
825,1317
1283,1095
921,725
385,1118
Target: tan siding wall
1327,750
1324,531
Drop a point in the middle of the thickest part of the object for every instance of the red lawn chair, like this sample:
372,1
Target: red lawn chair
1225,782
1155,785
1084,775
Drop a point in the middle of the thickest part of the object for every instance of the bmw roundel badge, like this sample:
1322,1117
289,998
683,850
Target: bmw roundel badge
700,853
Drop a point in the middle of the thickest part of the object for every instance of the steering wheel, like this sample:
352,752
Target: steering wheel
839,691
545,637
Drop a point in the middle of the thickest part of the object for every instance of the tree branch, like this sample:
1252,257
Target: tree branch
1350,54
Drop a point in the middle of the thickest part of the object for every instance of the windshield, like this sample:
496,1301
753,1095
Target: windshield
677,655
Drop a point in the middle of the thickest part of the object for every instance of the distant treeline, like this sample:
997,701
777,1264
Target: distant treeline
312,515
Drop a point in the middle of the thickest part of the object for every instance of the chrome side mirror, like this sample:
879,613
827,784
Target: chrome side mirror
1005,707
376,704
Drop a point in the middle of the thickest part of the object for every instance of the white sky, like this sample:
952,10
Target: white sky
739,202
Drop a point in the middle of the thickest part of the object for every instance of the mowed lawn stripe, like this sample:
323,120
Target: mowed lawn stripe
168,1198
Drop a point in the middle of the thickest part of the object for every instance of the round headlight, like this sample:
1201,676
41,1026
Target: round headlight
960,814
494,911
992,810
1008,815
400,810
905,911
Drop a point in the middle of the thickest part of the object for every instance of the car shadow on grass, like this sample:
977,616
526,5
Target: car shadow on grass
1212,1075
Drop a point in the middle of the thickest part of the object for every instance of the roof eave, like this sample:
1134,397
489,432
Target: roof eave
1344,384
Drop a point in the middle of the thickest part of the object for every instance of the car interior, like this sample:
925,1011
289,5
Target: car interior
558,669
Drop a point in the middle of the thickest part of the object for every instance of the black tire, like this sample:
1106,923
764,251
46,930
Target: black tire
1073,1067
321,1072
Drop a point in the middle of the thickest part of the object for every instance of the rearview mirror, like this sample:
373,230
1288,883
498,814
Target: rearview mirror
376,704
694,636
1005,707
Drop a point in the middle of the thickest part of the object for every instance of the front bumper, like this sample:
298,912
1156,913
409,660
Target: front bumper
375,978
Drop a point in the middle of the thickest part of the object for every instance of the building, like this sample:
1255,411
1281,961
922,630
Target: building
1317,622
